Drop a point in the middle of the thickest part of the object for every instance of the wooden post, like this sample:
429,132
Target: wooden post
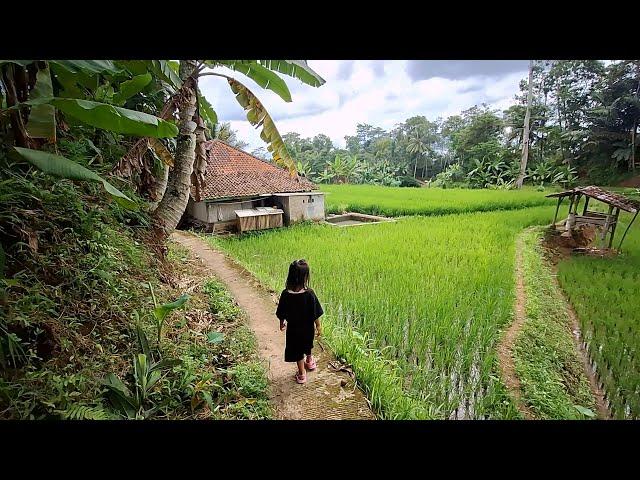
568,224
607,224
625,232
613,229
555,218
575,207
586,204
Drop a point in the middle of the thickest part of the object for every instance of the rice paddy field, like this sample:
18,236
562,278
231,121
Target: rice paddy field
417,306
397,201
605,293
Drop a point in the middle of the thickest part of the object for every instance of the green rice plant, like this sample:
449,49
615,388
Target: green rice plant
416,306
604,293
396,201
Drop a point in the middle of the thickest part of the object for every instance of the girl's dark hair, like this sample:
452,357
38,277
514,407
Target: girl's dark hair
298,277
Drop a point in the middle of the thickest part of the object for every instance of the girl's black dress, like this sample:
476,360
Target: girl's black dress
300,310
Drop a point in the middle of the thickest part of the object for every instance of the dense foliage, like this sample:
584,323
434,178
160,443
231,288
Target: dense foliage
80,336
78,321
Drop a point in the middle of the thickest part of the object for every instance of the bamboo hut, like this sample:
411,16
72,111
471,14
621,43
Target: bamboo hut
605,222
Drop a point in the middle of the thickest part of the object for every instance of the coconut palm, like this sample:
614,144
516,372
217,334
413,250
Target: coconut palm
417,147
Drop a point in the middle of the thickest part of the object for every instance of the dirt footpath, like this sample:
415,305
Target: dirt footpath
328,394
506,345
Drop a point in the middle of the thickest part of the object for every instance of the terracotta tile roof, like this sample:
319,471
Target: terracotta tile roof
234,173
610,198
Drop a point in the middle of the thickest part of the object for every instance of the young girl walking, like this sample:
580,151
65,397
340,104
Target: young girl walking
299,310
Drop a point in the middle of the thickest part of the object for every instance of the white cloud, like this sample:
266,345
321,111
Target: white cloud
381,93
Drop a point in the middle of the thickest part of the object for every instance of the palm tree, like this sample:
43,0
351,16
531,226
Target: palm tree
224,132
416,146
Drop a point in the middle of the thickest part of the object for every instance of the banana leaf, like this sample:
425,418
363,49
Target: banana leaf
161,311
42,118
109,117
259,117
129,88
62,167
261,75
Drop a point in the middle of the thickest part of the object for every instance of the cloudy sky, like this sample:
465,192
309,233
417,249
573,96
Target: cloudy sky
379,92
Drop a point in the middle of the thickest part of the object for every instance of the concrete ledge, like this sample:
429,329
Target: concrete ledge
352,219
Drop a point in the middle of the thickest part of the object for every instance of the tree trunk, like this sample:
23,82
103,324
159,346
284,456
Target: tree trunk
635,124
14,79
525,133
174,202
560,123
544,124
633,146
160,187
200,163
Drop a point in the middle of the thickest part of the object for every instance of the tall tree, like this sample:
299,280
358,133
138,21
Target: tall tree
634,128
525,132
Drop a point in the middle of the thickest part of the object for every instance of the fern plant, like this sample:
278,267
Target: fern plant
83,412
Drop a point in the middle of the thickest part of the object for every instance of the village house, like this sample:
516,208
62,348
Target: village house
243,192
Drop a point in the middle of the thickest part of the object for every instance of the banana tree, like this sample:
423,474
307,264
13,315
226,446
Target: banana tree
39,94
565,175
338,167
326,176
303,168
543,172
190,160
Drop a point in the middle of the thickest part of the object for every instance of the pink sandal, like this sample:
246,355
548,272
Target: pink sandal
301,379
311,366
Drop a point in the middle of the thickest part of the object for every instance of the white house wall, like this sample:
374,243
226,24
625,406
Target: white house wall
296,207
299,208
197,210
